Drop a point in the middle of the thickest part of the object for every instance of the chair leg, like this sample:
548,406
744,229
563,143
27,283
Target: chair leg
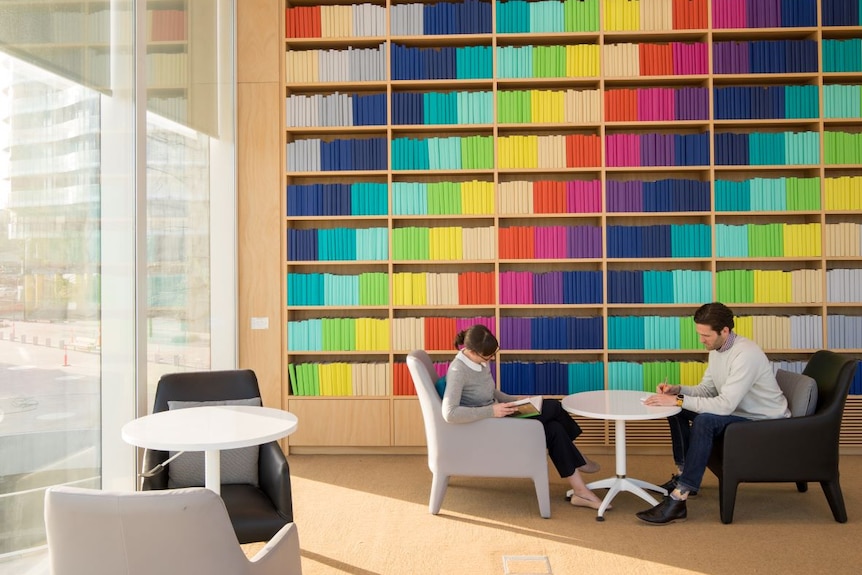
727,499
439,483
801,486
832,490
543,494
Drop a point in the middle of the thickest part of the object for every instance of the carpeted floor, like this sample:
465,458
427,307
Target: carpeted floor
368,514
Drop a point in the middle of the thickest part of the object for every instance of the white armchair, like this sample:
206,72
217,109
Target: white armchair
170,532
494,447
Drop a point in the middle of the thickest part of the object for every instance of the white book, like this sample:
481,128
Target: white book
528,406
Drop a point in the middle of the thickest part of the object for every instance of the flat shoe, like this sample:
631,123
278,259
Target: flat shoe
579,501
589,467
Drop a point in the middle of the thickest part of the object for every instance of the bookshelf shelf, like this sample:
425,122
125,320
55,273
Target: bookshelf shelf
491,210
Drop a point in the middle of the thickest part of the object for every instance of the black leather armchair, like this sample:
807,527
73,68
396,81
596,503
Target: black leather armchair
256,512
796,449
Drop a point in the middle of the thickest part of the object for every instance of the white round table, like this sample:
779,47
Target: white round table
620,406
209,429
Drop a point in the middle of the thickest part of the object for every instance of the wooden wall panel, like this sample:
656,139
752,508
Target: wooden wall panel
260,40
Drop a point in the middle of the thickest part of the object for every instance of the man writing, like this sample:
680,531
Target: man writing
738,385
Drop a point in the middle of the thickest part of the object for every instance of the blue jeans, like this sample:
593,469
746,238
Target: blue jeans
692,435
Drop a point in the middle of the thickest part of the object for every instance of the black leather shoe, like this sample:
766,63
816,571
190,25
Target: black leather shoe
671,485
668,511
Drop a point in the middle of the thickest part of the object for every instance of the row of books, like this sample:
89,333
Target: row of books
569,197
765,56
550,197
339,334
572,106
337,244
842,147
423,288
550,242
545,106
435,333
465,17
325,289
315,155
767,148
843,240
842,101
667,59
842,55
769,286
766,102
339,379
659,241
335,21
557,151
442,198
443,63
844,285
551,332
655,104
448,153
581,60
356,199
557,287
767,195
442,108
348,65
842,193
654,15
774,240
447,243
764,13
657,149
517,378
336,110
658,196
659,286
841,13
662,332
577,60
844,331
550,378
546,16
167,70
162,25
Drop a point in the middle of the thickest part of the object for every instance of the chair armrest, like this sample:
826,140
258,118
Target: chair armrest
280,555
274,478
771,445
509,446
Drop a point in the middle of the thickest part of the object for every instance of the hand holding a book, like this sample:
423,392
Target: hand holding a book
504,409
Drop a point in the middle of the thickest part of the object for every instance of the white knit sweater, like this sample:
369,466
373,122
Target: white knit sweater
739,381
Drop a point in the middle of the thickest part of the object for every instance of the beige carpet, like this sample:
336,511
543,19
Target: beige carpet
368,514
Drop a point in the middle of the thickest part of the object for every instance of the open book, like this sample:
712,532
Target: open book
528,406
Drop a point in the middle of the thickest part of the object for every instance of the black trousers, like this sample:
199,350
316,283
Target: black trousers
560,431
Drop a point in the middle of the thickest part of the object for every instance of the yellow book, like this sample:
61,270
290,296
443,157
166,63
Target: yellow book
419,283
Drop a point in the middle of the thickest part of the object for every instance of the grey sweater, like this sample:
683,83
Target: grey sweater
470,391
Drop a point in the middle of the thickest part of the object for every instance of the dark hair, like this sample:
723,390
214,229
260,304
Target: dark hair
477,338
716,315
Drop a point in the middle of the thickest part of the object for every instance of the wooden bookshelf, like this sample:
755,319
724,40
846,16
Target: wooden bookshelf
389,421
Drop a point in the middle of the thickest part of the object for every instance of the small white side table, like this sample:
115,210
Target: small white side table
620,406
209,429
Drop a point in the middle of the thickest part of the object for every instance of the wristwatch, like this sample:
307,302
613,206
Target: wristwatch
679,400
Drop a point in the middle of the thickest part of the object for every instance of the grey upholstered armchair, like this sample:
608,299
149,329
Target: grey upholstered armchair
504,447
171,532
799,449
259,500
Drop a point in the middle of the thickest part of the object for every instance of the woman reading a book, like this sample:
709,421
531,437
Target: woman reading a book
471,394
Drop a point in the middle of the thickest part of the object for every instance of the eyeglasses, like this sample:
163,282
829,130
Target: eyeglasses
487,357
